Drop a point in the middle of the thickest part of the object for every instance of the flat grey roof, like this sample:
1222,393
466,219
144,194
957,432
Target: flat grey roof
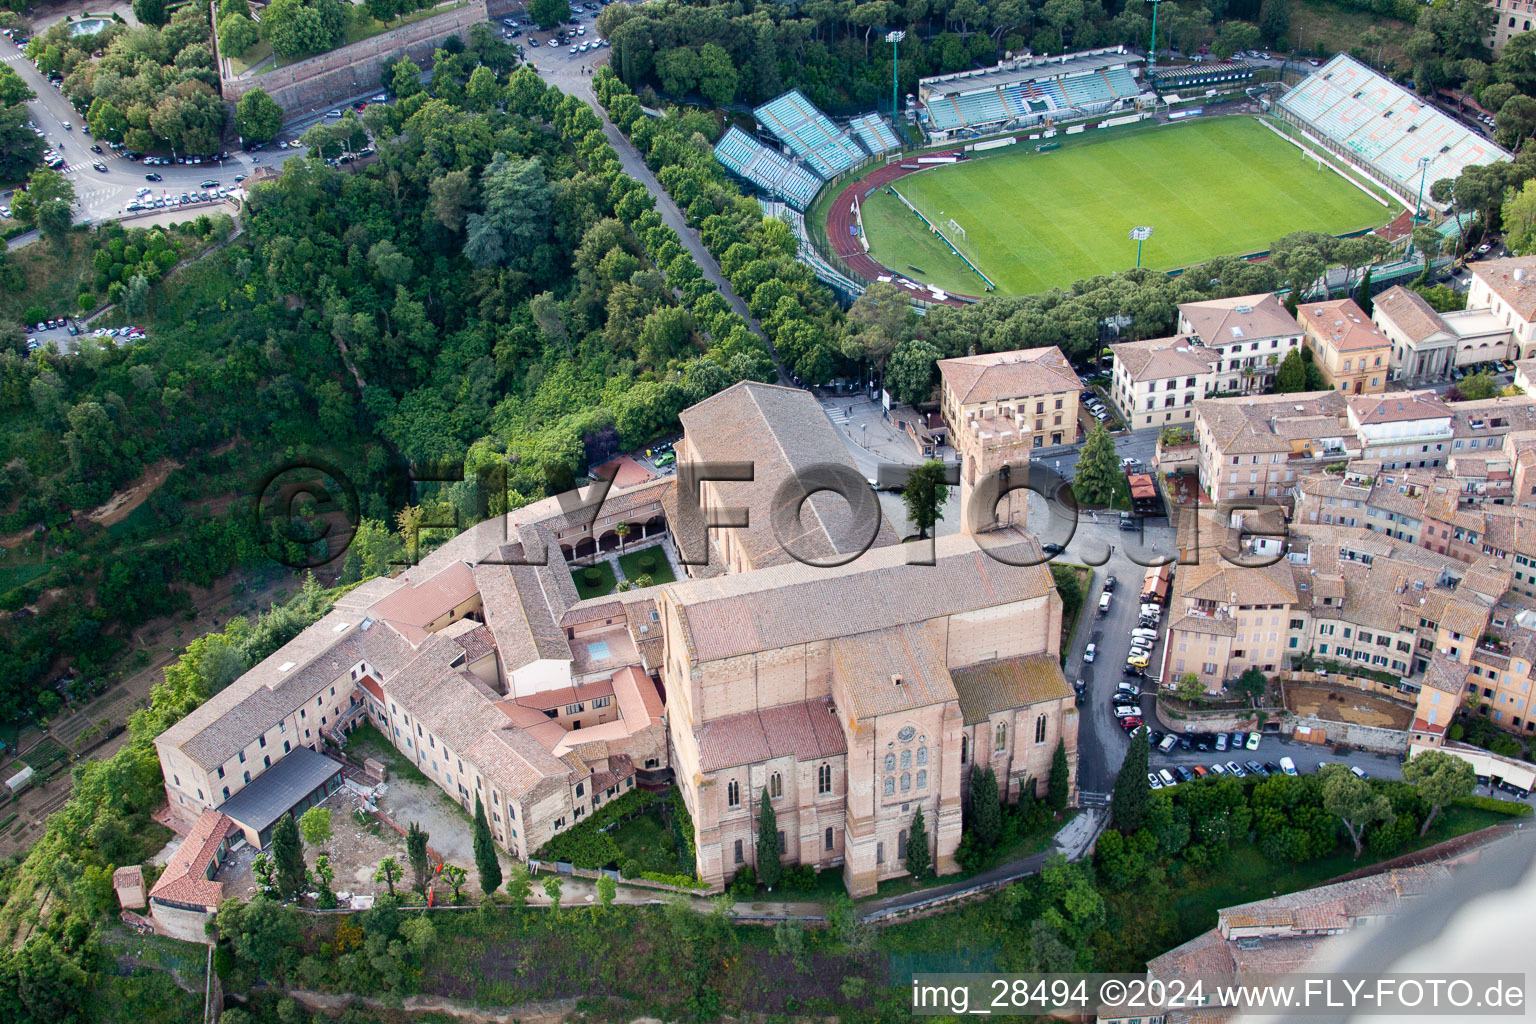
960,83
274,792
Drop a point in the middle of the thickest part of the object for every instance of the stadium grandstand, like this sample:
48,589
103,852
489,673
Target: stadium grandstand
874,133
766,168
1025,91
1382,129
1201,75
809,134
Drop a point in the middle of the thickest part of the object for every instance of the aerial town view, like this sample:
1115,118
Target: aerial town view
648,511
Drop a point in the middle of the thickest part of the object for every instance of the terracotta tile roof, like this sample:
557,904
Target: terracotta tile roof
892,669
547,700
1162,358
994,686
646,632
1004,376
1432,728
1446,674
1513,280
1408,311
185,878
517,612
127,877
372,686
1256,424
624,472
1241,318
807,730
518,764
639,703
784,434
1343,324
1207,953
425,598
1397,407
792,604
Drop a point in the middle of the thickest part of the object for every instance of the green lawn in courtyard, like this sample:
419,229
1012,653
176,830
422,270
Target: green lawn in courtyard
605,582
660,571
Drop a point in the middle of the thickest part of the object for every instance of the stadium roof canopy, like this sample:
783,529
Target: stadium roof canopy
810,134
1023,70
1384,126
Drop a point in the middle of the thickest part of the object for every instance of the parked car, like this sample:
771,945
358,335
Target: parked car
1358,772
1199,771
1221,741
1168,777
1130,688
1254,768
152,176
1103,603
1253,741
1238,739
1089,652
1154,781
1184,774
1109,584
1218,769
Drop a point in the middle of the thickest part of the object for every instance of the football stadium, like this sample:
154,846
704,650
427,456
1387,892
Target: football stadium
1034,172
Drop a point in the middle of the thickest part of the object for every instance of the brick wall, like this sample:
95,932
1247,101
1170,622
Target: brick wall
352,70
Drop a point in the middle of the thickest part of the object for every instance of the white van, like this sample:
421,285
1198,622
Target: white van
1287,766
1104,603
1144,634
1169,742
1167,777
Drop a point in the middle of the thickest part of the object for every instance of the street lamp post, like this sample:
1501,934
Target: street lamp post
1140,235
1152,49
894,38
1418,207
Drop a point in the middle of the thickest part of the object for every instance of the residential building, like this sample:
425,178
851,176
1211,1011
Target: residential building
1252,334
1402,429
1035,390
1353,354
1156,381
998,409
1510,19
851,688
1507,289
1256,446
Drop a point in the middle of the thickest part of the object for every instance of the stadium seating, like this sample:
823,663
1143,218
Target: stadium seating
1027,91
809,134
1123,83
874,133
766,168
1384,125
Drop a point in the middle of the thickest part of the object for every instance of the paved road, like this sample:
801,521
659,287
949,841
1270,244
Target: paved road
104,196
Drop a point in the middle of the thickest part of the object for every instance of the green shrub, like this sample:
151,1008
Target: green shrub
744,885
1497,806
592,575
647,563
800,879
681,881
630,868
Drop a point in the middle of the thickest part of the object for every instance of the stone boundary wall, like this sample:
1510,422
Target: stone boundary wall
351,70
1363,737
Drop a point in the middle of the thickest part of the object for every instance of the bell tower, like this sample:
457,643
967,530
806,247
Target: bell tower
994,455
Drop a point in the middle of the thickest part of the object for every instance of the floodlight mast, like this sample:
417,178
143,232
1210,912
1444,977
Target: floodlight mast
1152,48
893,38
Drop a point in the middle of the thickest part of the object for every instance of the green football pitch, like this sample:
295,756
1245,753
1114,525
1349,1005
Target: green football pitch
1035,221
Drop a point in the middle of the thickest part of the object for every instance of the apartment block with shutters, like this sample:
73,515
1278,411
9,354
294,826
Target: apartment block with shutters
852,689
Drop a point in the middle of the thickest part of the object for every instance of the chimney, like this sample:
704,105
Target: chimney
1519,273
896,680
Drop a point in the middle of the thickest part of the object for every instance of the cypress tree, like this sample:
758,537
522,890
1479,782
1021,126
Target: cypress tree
1132,797
416,850
485,853
919,861
986,812
288,856
769,867
1363,293
1060,781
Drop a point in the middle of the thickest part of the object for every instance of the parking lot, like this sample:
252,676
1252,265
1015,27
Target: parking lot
67,335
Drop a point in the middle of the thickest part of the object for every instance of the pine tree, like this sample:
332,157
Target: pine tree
769,867
1060,781
1363,293
416,850
288,856
485,853
1292,300
1132,797
919,860
1098,469
986,812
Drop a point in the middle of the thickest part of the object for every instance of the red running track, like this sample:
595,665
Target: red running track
846,245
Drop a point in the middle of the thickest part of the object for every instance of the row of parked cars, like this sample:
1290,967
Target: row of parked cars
210,193
1494,368
1095,406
